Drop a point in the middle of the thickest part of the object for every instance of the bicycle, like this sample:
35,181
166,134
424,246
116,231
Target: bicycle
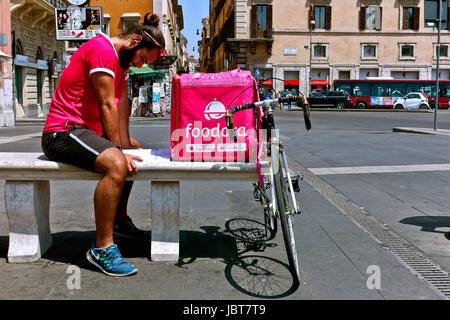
277,204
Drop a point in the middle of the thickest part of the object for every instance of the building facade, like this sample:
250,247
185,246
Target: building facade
222,30
314,42
38,58
118,14
6,76
204,48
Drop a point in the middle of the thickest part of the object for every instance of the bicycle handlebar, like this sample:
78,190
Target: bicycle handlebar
300,99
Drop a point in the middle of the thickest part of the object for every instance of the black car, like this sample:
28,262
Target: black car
337,99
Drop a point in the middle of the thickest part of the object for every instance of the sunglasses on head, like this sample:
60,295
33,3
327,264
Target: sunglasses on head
162,51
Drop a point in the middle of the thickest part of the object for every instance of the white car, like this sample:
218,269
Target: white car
413,100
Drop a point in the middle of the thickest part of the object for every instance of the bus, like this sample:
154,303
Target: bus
382,93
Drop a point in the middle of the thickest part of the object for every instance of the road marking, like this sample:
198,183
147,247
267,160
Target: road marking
380,169
18,138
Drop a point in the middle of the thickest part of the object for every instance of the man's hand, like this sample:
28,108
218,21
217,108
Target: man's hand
131,144
131,166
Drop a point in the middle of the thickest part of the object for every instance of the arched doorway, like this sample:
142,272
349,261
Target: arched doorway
18,75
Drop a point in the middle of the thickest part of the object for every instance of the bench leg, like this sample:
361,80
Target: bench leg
165,206
27,208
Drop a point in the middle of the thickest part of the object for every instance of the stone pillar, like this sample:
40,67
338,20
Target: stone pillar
27,208
240,18
165,206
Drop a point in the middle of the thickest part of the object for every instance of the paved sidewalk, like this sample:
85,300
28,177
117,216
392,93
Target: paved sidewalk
335,254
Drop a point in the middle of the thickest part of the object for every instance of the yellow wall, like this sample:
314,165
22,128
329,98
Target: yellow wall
115,8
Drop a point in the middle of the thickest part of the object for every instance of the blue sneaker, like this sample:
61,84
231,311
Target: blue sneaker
110,261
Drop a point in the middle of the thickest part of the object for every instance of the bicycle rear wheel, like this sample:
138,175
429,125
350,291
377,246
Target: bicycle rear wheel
285,211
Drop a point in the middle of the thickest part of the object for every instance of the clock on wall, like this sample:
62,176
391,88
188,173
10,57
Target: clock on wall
78,2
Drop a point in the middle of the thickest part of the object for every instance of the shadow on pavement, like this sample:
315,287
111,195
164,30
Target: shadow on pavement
250,273
255,275
429,223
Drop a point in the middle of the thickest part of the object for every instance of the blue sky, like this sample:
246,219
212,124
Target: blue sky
193,13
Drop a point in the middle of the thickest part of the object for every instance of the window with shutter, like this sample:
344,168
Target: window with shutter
416,18
320,17
411,18
253,22
269,22
406,20
261,21
379,18
370,17
311,18
328,18
362,18
448,18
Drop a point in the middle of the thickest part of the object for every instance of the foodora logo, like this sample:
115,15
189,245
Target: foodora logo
214,110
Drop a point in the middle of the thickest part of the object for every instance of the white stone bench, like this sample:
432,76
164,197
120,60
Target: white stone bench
27,197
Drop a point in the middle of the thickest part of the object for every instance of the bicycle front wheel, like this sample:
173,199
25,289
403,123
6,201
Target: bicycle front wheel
284,210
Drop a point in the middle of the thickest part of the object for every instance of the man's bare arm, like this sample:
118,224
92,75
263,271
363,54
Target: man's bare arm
103,84
124,114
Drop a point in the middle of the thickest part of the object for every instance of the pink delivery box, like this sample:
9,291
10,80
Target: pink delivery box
197,126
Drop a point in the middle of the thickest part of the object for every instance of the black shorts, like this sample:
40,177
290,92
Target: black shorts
78,146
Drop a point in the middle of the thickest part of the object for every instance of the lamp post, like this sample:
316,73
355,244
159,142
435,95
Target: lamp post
311,26
438,56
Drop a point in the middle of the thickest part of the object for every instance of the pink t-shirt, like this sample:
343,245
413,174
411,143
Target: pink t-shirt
74,100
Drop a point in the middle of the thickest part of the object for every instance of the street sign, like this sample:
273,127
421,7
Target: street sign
21,60
3,39
257,74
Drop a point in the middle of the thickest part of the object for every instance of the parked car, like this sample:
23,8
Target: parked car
413,100
337,99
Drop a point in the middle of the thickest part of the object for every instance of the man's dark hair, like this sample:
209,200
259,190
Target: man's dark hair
151,26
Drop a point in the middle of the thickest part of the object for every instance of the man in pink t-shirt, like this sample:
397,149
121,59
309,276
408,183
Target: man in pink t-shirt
87,126
75,100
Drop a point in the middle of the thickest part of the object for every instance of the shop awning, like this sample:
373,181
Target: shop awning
291,82
317,82
145,72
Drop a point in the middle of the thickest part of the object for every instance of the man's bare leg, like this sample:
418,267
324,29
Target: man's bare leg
123,203
122,209
113,165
